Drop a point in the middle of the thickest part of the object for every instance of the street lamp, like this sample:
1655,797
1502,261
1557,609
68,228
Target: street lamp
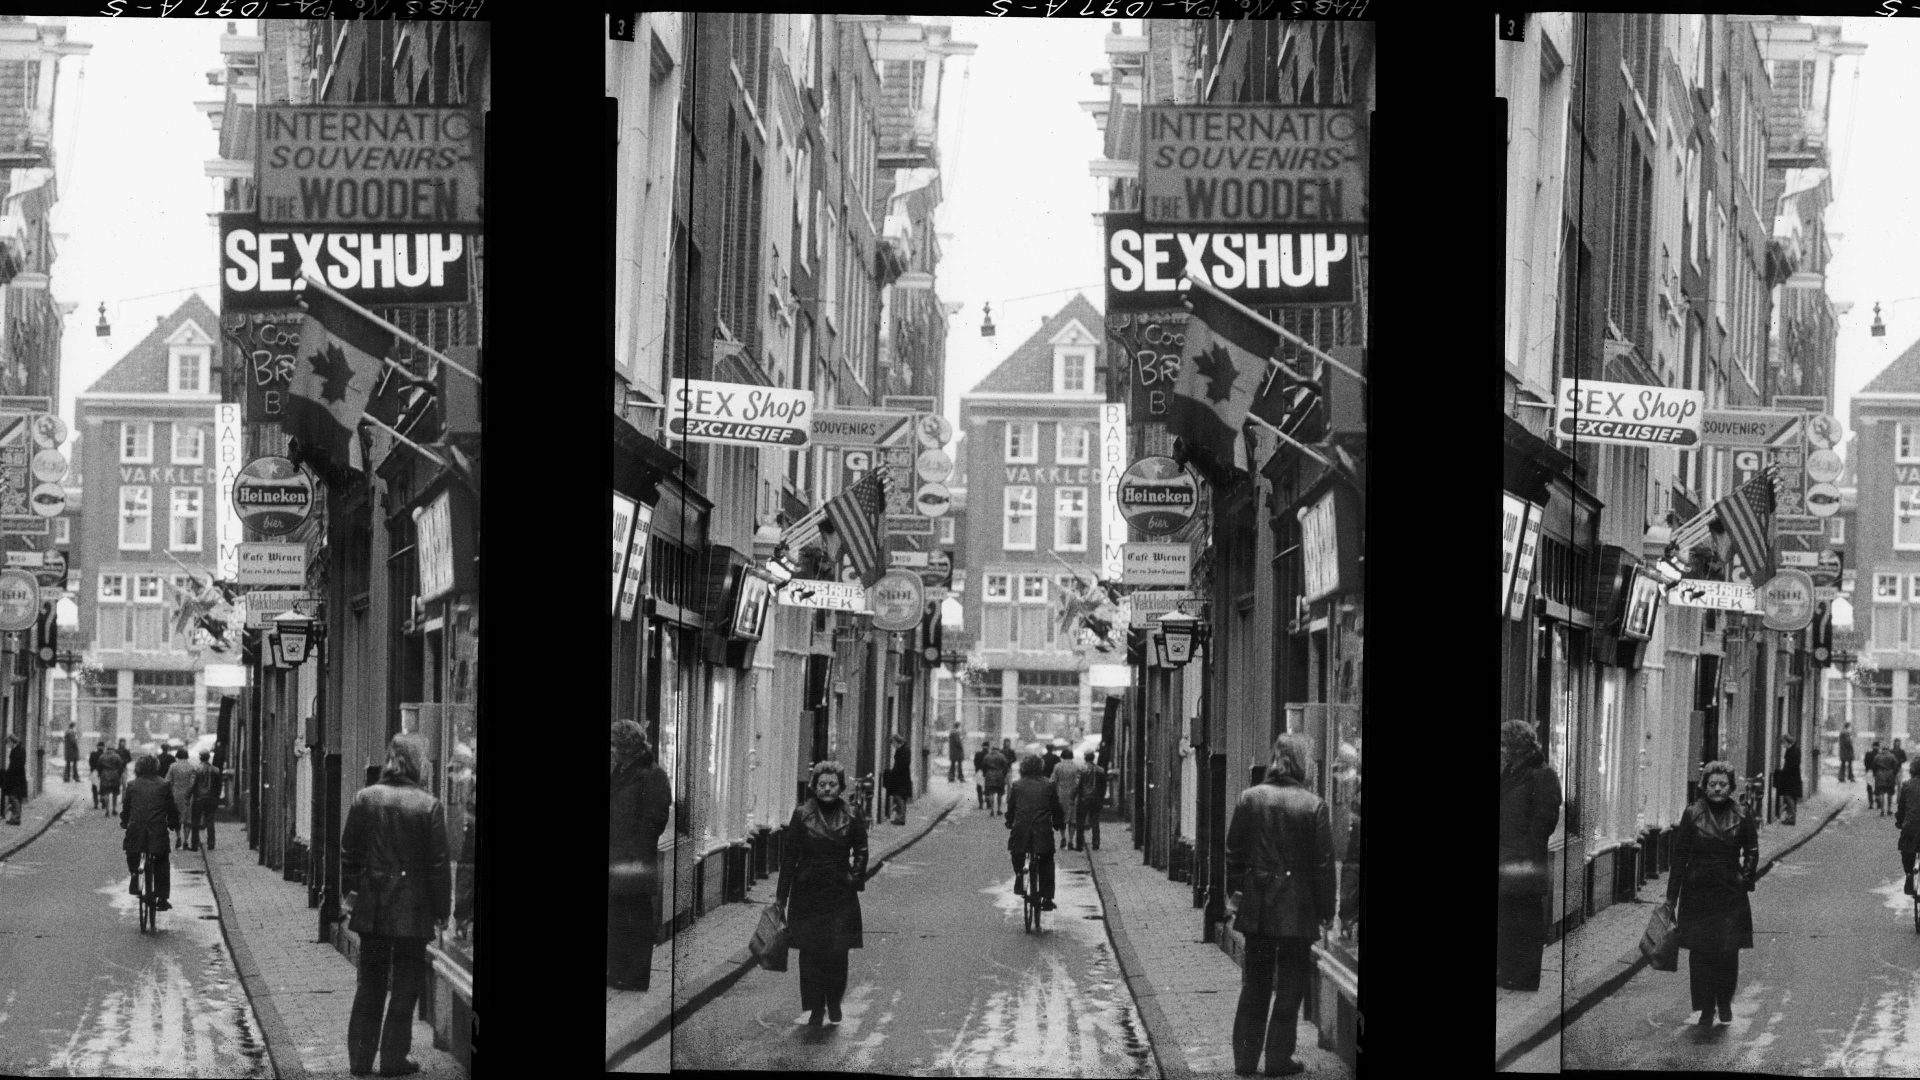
1181,632
1879,328
296,634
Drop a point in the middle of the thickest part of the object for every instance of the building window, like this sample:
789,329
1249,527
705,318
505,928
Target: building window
1070,519
1906,517
1807,68
1886,588
1019,530
189,370
185,533
136,442
189,445
1074,445
113,588
997,588
136,518
1023,443
1073,370
146,588
1033,588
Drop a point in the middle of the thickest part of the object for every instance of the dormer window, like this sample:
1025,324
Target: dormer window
1073,355
189,360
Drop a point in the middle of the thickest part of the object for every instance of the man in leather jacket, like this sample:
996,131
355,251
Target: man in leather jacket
394,863
1280,861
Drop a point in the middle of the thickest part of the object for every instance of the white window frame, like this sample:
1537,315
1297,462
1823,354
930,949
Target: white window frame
1031,498
1060,450
1033,588
1031,442
176,516
1880,591
1906,448
113,588
996,588
145,494
1078,358
142,593
1906,496
128,429
199,454
1062,516
198,358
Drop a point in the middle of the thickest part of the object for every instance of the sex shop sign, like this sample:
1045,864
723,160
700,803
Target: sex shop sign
1629,414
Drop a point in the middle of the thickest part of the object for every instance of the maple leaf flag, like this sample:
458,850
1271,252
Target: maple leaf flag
1218,382
341,374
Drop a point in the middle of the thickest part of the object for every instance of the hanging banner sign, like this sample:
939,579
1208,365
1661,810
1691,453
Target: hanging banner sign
858,429
260,265
1743,427
1239,164
623,513
1113,455
636,562
1527,548
1157,564
1147,605
1147,267
370,166
1629,414
826,596
1719,595
273,564
736,414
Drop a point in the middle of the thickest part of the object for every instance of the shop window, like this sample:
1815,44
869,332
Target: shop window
1019,527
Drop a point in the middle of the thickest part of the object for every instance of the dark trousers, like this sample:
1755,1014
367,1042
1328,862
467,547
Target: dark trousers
73,770
1711,977
955,771
1042,872
1846,769
1086,818
202,818
162,878
1523,933
631,928
1274,973
823,978
393,971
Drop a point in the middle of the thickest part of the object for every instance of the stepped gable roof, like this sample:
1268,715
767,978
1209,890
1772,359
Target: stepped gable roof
1029,368
143,370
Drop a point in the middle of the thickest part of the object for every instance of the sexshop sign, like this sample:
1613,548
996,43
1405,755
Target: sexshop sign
1147,267
260,265
1629,414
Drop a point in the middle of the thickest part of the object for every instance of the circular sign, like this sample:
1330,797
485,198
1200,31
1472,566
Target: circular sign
1824,466
898,598
933,499
935,465
49,430
1824,432
19,600
1786,600
1823,500
934,430
1157,495
49,500
49,465
938,571
1828,571
272,495
931,654
52,570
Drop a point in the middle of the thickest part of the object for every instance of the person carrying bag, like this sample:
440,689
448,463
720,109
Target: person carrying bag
771,939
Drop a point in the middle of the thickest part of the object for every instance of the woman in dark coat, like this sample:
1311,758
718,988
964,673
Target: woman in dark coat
1716,850
1030,811
899,781
13,783
1886,773
823,870
1907,819
1529,809
639,796
149,815
1786,782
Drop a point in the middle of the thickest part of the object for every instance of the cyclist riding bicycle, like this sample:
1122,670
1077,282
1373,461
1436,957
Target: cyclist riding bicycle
1030,812
148,814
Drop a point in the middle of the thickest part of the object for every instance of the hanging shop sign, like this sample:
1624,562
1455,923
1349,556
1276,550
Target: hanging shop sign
370,166
826,596
911,403
1147,267
933,430
1629,414
19,600
49,466
443,536
22,512
260,265
1144,348
1329,535
623,515
272,495
1158,496
1824,466
898,600
633,575
1718,595
1157,564
1747,427
52,571
1243,164
1823,500
272,563
858,429
934,465
1149,604
1520,585
263,606
1643,603
750,605
1786,600
1824,432
937,573
736,414
932,499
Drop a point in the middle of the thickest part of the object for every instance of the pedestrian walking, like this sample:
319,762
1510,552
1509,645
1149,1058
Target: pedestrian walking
113,768
823,870
1906,818
899,782
165,760
147,815
13,783
183,778
1867,762
93,771
206,799
71,750
1090,795
393,859
1846,753
639,798
1886,771
1529,811
1786,782
1049,760
979,766
1066,795
956,754
994,769
1280,853
1716,851
1899,755
1030,811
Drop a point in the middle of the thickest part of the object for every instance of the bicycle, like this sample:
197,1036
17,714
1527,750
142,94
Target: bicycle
149,896
860,799
1031,908
1751,796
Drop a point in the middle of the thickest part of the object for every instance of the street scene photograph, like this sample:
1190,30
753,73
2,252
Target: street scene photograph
990,419
1710,578
240,309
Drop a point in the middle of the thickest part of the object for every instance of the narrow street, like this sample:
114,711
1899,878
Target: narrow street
1832,986
107,1000
948,982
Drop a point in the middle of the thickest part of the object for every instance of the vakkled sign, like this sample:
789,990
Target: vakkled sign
1629,414
739,415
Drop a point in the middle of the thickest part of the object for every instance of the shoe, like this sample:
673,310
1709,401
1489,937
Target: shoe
405,1068
1046,905
1706,1018
356,1071
1726,1014
816,1018
833,1012
1291,1068
162,905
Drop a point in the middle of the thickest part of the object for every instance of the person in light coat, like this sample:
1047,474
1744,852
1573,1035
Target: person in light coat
1066,786
183,778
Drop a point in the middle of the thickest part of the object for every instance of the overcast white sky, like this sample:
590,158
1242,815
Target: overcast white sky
130,152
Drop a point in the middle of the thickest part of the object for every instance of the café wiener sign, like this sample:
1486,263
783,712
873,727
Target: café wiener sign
738,414
1629,414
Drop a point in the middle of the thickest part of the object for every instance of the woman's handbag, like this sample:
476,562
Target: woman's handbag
769,942
1661,942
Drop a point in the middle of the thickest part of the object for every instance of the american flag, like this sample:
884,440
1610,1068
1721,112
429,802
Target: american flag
855,515
1743,513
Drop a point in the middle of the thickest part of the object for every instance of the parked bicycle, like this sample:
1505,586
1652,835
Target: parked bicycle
860,799
1753,796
